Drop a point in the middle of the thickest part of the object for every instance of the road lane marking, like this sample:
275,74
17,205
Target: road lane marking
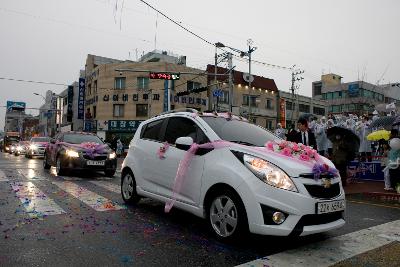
35,202
3,177
108,185
30,174
334,250
91,199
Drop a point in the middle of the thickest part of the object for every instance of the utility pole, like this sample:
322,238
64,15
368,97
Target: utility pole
230,67
215,82
248,53
295,79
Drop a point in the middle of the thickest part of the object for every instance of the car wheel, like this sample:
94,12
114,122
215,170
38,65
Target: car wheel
59,169
128,188
16,154
227,216
109,173
46,165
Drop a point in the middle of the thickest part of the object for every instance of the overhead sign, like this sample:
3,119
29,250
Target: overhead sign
12,105
81,99
164,75
123,125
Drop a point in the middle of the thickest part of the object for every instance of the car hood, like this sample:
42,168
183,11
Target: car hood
292,167
39,143
76,147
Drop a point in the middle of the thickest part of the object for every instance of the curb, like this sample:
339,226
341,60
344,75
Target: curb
390,198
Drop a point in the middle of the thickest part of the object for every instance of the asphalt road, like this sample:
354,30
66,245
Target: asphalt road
82,221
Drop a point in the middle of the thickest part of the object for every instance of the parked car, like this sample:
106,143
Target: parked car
79,151
238,188
22,147
37,147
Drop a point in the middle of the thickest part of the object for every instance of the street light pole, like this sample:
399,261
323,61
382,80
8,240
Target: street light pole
251,50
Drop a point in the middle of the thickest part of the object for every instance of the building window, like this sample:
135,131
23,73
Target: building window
290,105
224,98
268,104
319,111
141,110
89,89
118,110
95,86
253,100
119,83
336,108
304,108
317,89
329,96
143,83
192,85
94,112
269,125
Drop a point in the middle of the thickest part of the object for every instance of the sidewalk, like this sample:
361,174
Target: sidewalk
370,190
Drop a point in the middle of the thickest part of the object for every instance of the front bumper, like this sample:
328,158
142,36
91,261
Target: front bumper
82,163
299,208
36,152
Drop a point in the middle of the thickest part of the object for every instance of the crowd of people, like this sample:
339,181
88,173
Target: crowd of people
313,132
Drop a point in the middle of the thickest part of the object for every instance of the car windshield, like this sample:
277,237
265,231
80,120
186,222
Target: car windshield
81,138
240,132
40,139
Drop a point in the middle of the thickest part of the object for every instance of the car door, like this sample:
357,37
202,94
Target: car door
164,170
145,154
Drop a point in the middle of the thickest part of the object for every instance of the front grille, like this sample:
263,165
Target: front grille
316,219
311,176
98,157
319,191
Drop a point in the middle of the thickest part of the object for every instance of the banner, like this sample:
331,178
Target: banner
282,112
81,99
12,105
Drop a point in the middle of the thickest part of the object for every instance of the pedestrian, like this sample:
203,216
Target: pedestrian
341,155
114,140
305,136
394,161
120,148
329,146
320,136
384,163
362,130
292,134
279,131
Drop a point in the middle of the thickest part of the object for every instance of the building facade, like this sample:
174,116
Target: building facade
262,94
356,97
117,101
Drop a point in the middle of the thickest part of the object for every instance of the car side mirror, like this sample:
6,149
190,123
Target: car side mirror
184,143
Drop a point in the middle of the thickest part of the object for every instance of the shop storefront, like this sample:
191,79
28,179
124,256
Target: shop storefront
122,129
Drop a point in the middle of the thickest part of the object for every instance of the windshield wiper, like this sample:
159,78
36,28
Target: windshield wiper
243,143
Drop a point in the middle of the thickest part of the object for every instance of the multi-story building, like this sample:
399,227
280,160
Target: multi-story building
119,95
356,97
15,115
295,106
262,95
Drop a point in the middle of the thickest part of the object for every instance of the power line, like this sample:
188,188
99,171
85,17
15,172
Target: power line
30,81
175,22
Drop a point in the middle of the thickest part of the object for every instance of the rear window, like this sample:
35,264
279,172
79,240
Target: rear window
152,130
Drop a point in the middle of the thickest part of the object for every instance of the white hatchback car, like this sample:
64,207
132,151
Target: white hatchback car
237,188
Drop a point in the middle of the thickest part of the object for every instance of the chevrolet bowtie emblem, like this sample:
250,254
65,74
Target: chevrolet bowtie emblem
326,182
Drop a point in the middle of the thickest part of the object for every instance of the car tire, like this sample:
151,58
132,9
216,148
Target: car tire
46,165
59,169
128,188
226,215
109,173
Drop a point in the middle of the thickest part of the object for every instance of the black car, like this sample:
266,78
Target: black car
79,151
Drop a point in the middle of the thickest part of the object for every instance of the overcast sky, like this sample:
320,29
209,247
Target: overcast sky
48,40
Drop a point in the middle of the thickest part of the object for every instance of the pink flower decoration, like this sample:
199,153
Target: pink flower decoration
270,146
295,147
286,152
304,157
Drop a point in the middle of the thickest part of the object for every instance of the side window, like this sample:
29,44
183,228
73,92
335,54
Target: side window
152,130
180,127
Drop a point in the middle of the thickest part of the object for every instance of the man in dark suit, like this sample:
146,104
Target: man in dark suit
305,135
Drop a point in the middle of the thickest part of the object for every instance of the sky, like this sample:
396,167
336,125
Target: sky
48,40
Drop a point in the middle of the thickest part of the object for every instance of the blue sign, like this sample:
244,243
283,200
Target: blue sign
12,105
123,125
81,99
353,89
217,93
365,170
165,105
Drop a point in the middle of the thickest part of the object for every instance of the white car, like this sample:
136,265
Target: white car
239,187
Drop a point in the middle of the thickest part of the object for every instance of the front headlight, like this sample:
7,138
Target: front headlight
72,153
269,173
112,155
19,148
33,147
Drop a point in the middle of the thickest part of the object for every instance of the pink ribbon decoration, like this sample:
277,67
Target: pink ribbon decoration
185,162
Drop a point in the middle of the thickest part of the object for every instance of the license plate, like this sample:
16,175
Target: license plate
96,163
330,206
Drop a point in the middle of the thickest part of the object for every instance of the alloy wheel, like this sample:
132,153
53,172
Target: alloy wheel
127,186
223,216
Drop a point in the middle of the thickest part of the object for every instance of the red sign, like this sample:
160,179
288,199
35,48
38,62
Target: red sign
164,76
282,112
